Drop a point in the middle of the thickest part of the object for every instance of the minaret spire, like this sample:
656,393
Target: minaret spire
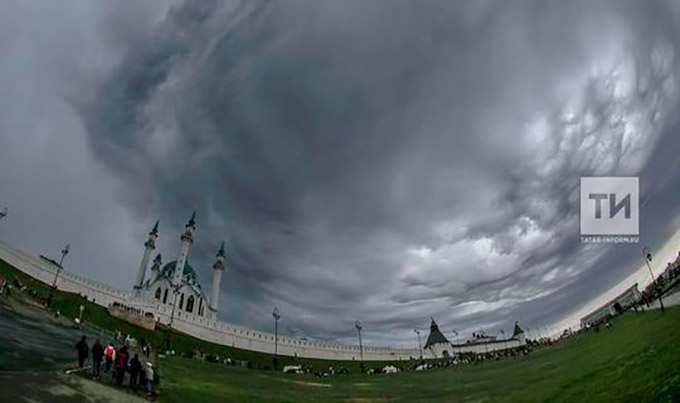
187,240
149,246
218,268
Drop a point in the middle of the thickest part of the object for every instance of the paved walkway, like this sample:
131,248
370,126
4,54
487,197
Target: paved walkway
56,387
106,379
34,350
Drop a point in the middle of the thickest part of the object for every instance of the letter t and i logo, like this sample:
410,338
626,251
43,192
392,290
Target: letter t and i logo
610,206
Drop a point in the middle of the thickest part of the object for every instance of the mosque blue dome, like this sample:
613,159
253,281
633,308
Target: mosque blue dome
169,269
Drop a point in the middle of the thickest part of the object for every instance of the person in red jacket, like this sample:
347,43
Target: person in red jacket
110,356
121,365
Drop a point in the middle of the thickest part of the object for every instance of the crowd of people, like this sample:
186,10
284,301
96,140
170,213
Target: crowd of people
125,367
413,364
456,360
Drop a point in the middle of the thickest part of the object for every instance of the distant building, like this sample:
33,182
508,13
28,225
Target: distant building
440,347
672,270
622,302
437,344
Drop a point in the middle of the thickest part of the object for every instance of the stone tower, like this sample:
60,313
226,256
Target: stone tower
218,268
436,342
518,333
187,240
149,246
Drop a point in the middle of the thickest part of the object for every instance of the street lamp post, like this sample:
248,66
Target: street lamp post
80,317
647,255
175,292
455,340
276,316
64,252
357,325
420,345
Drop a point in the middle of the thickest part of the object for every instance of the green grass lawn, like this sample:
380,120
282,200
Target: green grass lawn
637,360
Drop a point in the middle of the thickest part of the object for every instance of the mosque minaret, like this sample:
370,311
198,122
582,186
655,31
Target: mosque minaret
187,239
149,247
218,268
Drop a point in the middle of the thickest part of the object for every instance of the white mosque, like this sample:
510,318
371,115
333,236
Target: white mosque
176,284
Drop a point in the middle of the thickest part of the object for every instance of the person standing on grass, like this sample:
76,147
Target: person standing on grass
141,384
110,354
83,349
97,354
135,369
149,378
121,365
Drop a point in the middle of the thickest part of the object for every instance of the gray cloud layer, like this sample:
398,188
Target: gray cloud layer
386,161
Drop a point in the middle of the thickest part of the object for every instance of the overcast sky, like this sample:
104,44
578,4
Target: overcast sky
386,161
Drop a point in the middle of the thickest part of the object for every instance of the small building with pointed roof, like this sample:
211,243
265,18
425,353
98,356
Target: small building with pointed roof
440,347
436,342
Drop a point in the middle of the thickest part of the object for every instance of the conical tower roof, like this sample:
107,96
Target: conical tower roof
435,336
518,330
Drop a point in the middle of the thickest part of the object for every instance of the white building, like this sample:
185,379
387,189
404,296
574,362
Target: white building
623,301
440,347
175,284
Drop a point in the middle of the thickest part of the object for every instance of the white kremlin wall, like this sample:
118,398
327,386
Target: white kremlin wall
437,351
217,331
45,271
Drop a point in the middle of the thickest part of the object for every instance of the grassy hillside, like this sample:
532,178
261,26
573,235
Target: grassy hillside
637,360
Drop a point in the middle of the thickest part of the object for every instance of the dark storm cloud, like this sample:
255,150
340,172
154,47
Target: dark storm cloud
55,189
390,161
